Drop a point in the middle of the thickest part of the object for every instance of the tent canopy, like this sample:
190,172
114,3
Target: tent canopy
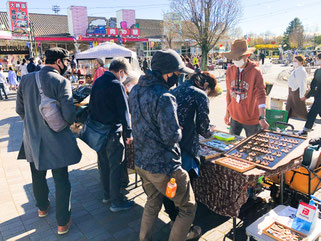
106,50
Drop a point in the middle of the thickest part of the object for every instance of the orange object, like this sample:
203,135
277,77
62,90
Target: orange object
171,188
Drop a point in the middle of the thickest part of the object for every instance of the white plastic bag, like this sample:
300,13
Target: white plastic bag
6,89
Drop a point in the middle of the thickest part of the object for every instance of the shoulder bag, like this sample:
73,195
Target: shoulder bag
50,110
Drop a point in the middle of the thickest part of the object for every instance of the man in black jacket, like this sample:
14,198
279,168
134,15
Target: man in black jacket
108,105
31,67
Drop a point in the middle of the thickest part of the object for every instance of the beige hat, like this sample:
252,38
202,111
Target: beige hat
238,49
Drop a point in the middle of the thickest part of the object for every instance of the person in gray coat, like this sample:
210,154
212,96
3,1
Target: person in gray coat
44,148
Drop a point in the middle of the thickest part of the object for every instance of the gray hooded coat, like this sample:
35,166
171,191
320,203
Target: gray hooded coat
45,148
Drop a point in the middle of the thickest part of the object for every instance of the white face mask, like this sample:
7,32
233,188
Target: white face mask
239,63
122,78
318,62
295,64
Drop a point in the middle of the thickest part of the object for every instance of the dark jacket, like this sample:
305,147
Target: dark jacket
315,86
44,147
156,130
31,67
108,103
192,111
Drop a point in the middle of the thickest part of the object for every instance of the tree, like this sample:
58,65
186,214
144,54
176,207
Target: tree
172,28
294,35
209,20
317,39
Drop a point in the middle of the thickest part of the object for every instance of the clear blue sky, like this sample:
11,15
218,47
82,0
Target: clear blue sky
258,16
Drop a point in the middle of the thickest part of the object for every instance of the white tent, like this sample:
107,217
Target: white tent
106,50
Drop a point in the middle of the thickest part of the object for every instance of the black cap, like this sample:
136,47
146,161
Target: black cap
57,53
168,61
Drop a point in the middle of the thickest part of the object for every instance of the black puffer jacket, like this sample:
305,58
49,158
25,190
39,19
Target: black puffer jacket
156,130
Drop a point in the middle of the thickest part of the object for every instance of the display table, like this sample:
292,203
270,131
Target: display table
224,190
278,214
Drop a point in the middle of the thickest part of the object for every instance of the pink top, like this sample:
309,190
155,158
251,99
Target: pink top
99,72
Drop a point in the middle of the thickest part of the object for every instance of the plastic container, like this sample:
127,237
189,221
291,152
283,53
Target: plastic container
224,136
171,188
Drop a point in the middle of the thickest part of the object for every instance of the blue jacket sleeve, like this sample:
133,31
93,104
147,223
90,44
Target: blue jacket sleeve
202,119
167,120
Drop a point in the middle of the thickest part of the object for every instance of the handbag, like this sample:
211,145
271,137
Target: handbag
94,134
50,110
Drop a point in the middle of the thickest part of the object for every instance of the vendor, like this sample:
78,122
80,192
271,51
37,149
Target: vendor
100,70
193,115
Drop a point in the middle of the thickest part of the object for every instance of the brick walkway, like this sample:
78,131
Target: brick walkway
92,220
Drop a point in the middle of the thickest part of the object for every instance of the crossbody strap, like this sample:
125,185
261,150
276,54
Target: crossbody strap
38,83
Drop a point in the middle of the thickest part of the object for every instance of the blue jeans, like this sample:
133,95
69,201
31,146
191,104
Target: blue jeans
110,159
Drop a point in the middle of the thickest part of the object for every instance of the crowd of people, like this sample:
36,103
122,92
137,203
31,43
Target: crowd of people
160,116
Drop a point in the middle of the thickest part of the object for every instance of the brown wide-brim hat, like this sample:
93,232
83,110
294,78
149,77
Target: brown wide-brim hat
238,49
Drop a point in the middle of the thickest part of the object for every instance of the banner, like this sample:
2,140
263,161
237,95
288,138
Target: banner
135,32
112,31
124,32
18,17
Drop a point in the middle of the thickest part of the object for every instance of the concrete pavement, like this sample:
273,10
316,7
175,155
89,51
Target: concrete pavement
92,220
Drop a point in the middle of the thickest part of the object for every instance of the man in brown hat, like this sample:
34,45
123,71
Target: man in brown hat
245,94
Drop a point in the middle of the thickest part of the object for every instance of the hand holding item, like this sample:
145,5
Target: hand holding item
227,119
303,98
129,140
264,124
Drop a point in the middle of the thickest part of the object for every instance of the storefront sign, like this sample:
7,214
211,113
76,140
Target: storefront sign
135,32
18,17
14,50
124,32
112,31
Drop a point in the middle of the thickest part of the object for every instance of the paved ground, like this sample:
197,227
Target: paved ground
92,220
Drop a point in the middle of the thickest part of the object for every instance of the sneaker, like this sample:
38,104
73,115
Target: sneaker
125,205
194,232
315,141
106,201
42,214
303,133
64,229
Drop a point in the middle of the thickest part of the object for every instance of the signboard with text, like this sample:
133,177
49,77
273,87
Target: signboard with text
18,17
135,32
124,32
112,31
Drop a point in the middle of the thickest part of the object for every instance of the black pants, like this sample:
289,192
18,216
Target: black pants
110,167
2,88
236,128
314,111
63,192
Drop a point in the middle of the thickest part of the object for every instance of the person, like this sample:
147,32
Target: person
193,116
315,91
23,68
12,77
145,66
17,70
156,133
100,70
188,62
131,80
108,105
3,81
39,66
31,67
262,56
295,104
45,149
245,92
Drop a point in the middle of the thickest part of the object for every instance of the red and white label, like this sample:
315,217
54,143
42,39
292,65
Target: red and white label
306,212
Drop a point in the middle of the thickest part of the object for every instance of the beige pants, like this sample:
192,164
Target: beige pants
155,186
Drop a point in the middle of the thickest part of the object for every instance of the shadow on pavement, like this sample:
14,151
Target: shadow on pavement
13,126
92,220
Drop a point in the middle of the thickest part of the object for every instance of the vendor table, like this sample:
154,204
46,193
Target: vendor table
277,214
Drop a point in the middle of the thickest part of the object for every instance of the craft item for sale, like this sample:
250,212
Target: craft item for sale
234,164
